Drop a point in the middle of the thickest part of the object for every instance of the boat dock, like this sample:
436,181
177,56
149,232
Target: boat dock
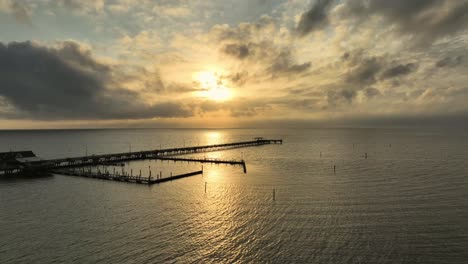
33,164
125,177
151,154
206,160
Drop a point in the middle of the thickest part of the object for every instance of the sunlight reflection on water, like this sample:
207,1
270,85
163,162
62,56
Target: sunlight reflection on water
404,204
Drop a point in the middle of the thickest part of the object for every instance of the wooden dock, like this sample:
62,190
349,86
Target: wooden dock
167,154
206,160
125,177
151,154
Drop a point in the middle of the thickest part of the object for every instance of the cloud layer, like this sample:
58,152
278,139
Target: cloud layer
344,61
68,83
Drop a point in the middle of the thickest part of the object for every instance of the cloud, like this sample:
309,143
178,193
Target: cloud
83,6
172,11
259,44
240,51
21,12
371,92
426,20
66,82
315,18
399,70
364,69
283,65
449,62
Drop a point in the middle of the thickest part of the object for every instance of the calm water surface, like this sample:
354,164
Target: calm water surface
406,203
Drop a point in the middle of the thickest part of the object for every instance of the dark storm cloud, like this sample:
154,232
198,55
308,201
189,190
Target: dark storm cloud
315,18
20,11
68,83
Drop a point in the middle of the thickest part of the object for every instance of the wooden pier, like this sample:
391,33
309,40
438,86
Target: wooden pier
206,160
161,154
151,154
125,177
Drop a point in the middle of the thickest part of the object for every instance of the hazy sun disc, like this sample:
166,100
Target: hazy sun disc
213,88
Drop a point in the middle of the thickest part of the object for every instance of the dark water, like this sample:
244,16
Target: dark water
406,203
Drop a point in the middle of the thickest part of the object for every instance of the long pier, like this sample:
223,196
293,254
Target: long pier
126,178
150,154
32,167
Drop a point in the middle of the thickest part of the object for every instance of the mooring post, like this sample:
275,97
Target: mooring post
274,194
140,172
131,172
334,169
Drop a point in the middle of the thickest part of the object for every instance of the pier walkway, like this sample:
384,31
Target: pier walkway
58,165
151,154
206,160
125,177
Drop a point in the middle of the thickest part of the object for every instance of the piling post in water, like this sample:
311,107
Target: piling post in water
365,155
334,169
140,172
131,172
274,194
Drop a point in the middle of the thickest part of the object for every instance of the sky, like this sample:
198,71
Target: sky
243,63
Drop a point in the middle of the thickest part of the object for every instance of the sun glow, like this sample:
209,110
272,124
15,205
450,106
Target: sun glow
213,88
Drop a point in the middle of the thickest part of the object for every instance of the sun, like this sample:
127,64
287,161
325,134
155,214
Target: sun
213,88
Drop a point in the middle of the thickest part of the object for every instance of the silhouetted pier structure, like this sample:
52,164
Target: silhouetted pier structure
150,154
125,177
104,159
206,160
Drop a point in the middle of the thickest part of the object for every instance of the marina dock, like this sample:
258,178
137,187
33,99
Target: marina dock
151,154
125,177
34,164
